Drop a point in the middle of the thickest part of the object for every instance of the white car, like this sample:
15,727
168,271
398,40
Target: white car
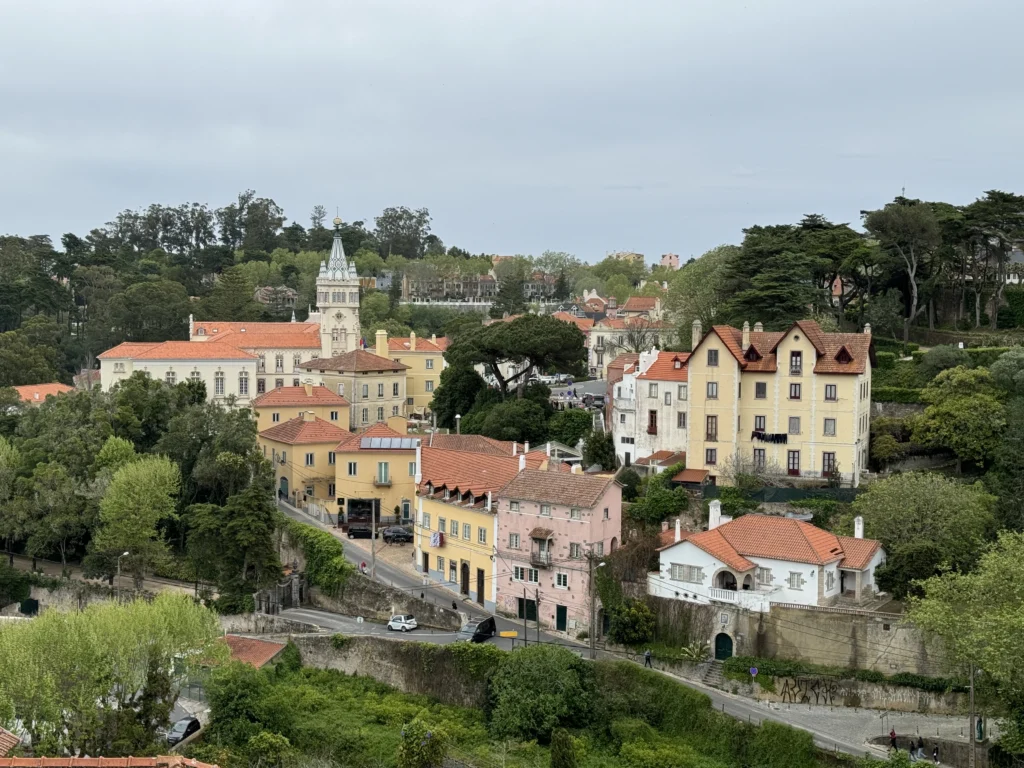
402,623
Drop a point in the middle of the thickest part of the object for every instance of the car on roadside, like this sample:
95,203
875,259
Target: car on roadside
403,622
477,630
182,729
396,534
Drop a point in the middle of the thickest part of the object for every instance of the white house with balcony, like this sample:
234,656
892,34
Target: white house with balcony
757,560
649,407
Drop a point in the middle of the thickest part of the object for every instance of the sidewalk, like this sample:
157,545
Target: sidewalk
150,584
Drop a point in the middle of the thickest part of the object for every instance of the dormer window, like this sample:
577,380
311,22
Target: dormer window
751,355
843,356
201,332
677,363
446,493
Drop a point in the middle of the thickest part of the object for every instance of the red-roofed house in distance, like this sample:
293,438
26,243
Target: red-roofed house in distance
549,526
612,337
642,306
36,394
756,560
649,408
286,403
302,453
252,651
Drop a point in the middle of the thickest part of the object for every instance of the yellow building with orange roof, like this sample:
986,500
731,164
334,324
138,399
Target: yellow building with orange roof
281,405
302,452
377,465
425,360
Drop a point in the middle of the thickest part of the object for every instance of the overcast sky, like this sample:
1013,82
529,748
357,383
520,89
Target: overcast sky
523,125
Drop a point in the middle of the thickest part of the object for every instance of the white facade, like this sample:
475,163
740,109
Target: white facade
624,418
337,297
223,378
636,433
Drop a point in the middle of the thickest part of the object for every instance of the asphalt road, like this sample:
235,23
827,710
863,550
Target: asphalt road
593,387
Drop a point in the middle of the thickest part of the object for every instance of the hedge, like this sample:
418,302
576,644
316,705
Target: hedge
885,360
983,357
326,566
738,668
896,395
894,345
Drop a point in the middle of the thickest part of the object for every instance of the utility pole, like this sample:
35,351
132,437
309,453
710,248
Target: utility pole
972,756
593,610
537,594
374,511
526,633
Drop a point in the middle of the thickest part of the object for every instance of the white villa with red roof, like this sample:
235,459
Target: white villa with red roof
757,560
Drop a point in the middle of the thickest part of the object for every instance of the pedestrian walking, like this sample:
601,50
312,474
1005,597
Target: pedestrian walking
920,748
892,739
455,606
935,754
647,658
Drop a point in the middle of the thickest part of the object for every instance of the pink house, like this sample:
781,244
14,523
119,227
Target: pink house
549,526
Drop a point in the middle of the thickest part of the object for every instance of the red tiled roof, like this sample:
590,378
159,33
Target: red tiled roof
258,340
127,349
358,360
473,444
442,343
8,741
422,345
583,323
665,368
858,345
640,304
177,350
667,538
162,761
476,473
249,650
298,431
568,489
691,476
777,538
221,327
662,458
858,551
621,361
285,396
351,441
37,393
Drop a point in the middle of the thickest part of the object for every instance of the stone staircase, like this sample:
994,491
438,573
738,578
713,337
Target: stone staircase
713,675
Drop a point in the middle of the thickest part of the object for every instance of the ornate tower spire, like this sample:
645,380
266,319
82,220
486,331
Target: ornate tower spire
338,267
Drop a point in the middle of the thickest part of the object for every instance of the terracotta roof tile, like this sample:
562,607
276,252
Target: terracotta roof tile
358,360
828,346
177,350
221,327
670,366
691,476
298,431
476,473
265,340
398,344
858,345
667,538
621,361
640,304
473,444
37,393
777,538
583,323
285,396
858,552
732,338
8,741
249,650
662,458
558,488
351,442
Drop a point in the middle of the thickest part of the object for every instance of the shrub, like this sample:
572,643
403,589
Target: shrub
326,566
983,357
538,689
563,749
632,623
629,729
895,395
421,747
630,481
338,641
642,755
779,746
938,359
885,360
290,659
266,748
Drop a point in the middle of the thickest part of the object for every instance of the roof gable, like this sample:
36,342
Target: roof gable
289,396
358,361
299,431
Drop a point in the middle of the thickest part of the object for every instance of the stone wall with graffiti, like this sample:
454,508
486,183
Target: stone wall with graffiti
824,691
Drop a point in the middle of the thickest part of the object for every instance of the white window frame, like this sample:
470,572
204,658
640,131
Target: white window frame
513,541
513,506
682,392
353,468
795,580
310,459
575,514
561,580
652,391
481,535
833,425
545,510
467,531
712,390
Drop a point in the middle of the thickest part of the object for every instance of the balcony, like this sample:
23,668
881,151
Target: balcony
711,437
382,482
796,370
652,429
540,559
624,404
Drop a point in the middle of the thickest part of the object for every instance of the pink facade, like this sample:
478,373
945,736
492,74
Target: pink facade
543,549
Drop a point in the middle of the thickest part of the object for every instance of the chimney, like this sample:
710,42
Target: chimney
679,530
714,514
458,424
858,527
577,469
548,449
867,328
191,326
746,335
522,462
382,343
758,328
526,447
695,335
308,386
664,526
308,416
412,341
419,461
433,338
515,447
490,501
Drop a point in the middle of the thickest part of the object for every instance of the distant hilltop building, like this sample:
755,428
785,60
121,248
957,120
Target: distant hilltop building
628,256
670,260
280,298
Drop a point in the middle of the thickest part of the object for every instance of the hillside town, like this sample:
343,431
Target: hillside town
614,457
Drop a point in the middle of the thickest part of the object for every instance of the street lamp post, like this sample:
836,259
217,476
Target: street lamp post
593,608
123,554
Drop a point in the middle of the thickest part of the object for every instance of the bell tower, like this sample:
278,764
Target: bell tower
337,296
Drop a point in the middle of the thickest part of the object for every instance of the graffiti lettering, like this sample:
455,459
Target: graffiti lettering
811,690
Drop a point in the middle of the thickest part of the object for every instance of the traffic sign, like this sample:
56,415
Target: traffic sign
753,671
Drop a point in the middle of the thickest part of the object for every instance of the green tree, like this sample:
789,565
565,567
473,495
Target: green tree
538,689
150,311
697,290
368,262
141,495
599,448
402,231
563,749
231,299
630,482
1008,371
1006,478
523,420
422,746
511,296
978,617
941,358
632,623
59,513
455,394
659,503
22,363
907,509
570,426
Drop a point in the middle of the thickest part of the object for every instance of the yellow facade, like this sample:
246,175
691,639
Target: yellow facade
824,417
278,410
465,559
388,475
425,360
304,474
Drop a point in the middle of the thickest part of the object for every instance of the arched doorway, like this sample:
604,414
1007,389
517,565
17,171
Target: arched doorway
615,544
748,582
723,646
465,578
725,580
283,493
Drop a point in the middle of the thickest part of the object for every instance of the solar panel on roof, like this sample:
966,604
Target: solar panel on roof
364,442
375,442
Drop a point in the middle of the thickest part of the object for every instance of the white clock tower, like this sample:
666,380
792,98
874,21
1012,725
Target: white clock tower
337,296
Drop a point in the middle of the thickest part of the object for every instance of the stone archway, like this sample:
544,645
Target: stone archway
748,582
723,646
725,580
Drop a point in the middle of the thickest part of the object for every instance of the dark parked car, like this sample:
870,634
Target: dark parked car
181,730
361,532
397,534
477,630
